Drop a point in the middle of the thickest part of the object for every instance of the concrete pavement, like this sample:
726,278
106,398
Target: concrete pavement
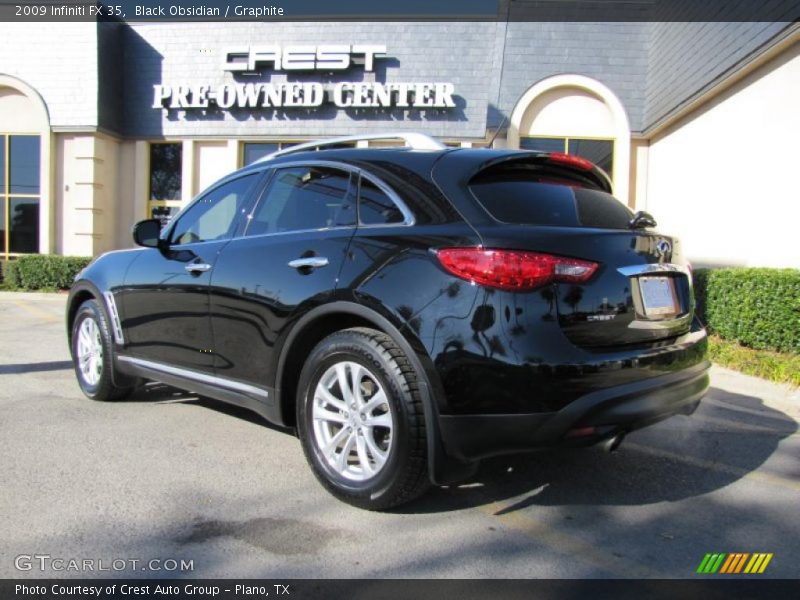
166,475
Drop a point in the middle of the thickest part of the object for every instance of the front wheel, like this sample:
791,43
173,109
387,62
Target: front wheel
92,355
361,421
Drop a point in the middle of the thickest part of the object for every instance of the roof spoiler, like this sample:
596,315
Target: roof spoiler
582,168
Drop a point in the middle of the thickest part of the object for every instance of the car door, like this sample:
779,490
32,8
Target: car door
165,299
288,259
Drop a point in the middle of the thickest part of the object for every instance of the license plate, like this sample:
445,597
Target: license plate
658,296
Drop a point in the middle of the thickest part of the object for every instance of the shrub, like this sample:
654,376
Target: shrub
9,279
759,308
46,271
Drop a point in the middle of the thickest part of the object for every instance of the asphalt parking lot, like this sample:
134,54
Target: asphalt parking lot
166,475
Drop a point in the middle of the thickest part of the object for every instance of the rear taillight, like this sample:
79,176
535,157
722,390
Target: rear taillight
514,270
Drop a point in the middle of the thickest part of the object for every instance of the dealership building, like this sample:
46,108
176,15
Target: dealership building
105,124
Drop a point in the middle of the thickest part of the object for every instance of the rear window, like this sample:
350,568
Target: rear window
527,199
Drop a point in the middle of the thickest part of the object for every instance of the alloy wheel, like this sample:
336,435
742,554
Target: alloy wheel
353,421
90,351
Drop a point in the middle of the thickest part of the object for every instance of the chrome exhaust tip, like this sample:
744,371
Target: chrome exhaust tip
611,444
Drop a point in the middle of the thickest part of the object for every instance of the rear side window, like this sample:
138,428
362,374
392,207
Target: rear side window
302,198
525,198
375,207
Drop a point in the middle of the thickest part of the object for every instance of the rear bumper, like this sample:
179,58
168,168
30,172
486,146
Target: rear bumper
586,420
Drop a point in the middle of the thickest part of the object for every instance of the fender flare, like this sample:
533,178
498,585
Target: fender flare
442,469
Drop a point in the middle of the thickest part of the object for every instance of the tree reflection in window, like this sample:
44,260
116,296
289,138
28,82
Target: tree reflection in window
166,165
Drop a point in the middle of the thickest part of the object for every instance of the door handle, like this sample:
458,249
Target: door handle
198,267
309,262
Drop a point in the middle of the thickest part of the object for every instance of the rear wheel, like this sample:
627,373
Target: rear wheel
92,355
361,421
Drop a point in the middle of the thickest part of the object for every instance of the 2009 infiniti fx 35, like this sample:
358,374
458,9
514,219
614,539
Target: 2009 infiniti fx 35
409,311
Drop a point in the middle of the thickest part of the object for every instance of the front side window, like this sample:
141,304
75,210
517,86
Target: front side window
213,216
166,180
20,193
303,198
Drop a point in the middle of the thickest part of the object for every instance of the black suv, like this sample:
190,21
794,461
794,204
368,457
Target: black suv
408,311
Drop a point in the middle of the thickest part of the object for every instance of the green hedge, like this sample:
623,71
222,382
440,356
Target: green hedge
42,271
759,308
8,275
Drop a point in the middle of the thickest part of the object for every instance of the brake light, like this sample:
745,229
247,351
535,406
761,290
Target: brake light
570,160
513,270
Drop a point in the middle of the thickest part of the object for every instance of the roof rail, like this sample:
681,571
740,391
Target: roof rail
415,141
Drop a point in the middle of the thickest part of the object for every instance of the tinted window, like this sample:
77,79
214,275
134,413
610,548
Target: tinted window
527,199
166,168
542,144
375,207
302,198
24,221
256,151
20,173
213,216
24,164
2,226
516,199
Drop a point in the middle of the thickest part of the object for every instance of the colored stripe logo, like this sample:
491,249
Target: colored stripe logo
734,563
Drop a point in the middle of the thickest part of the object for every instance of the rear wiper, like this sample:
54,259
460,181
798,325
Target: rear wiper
641,220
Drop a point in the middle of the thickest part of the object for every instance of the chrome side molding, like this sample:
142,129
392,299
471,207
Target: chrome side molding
199,377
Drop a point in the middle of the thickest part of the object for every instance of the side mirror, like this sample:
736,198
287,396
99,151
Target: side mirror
145,233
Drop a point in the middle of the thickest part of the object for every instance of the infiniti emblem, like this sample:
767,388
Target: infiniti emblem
663,247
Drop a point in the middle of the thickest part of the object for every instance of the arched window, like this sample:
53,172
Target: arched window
577,115
23,179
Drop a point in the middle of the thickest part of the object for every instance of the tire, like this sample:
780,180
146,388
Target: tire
381,461
91,335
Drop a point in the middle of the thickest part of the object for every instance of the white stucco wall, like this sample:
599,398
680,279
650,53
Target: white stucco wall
724,179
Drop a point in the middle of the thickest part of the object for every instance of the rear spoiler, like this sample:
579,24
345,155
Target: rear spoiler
569,166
